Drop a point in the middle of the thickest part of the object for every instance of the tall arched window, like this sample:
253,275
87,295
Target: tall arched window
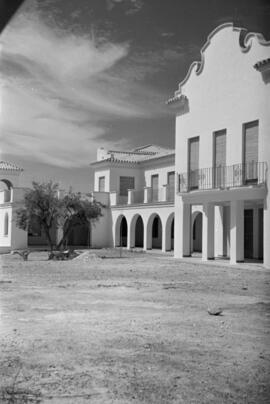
6,224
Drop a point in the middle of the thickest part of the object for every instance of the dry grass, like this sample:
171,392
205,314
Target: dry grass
132,330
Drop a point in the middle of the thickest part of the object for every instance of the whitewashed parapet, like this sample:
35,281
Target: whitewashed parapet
130,196
113,198
102,197
147,194
164,193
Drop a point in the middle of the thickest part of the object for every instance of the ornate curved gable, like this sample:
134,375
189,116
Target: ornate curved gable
218,41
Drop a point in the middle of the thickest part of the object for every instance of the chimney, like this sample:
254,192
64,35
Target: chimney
102,154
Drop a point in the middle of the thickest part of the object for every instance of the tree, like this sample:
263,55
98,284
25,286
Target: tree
43,206
75,211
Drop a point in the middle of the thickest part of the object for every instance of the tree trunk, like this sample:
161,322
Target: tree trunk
65,235
48,236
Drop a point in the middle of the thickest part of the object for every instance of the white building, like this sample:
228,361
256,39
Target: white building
138,186
11,195
223,149
209,195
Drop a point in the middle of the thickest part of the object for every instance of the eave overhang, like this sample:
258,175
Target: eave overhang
262,65
134,164
114,162
9,167
178,102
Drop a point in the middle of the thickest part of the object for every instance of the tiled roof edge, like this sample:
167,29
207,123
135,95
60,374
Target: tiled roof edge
7,166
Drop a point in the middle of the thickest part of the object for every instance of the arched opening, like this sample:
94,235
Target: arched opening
197,232
172,235
5,190
121,230
139,232
6,224
156,232
169,233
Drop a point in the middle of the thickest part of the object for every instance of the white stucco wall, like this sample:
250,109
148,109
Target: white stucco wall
117,172
5,240
102,173
161,171
9,202
112,176
101,231
19,238
226,94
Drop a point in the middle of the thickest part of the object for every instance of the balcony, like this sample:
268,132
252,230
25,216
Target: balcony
223,177
147,195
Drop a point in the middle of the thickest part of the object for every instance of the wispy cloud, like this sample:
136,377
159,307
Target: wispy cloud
130,6
57,90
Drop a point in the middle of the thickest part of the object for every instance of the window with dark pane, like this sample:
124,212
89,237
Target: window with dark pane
126,183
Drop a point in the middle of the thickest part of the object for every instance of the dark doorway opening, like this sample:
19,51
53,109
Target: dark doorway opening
157,233
197,233
172,235
248,233
123,232
139,232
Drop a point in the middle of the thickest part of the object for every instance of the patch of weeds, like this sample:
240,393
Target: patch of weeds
12,394
12,368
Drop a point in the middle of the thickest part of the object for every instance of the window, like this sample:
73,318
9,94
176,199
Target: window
250,151
126,183
101,184
171,185
193,163
171,176
219,158
6,224
154,186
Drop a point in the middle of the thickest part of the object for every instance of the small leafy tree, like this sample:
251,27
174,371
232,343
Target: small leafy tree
75,211
43,206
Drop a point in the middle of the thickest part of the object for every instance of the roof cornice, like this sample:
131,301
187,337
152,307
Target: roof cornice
137,164
153,160
114,162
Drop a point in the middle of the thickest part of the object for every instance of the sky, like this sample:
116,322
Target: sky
78,75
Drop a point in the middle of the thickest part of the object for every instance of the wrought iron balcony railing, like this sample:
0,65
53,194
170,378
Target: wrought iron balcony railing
237,175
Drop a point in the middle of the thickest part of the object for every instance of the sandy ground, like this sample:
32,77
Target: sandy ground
133,330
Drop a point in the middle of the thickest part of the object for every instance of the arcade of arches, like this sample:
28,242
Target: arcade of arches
147,233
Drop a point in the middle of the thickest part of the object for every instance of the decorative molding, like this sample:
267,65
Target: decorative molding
262,65
179,101
245,43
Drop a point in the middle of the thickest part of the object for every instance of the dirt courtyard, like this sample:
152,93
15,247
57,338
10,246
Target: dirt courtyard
132,330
